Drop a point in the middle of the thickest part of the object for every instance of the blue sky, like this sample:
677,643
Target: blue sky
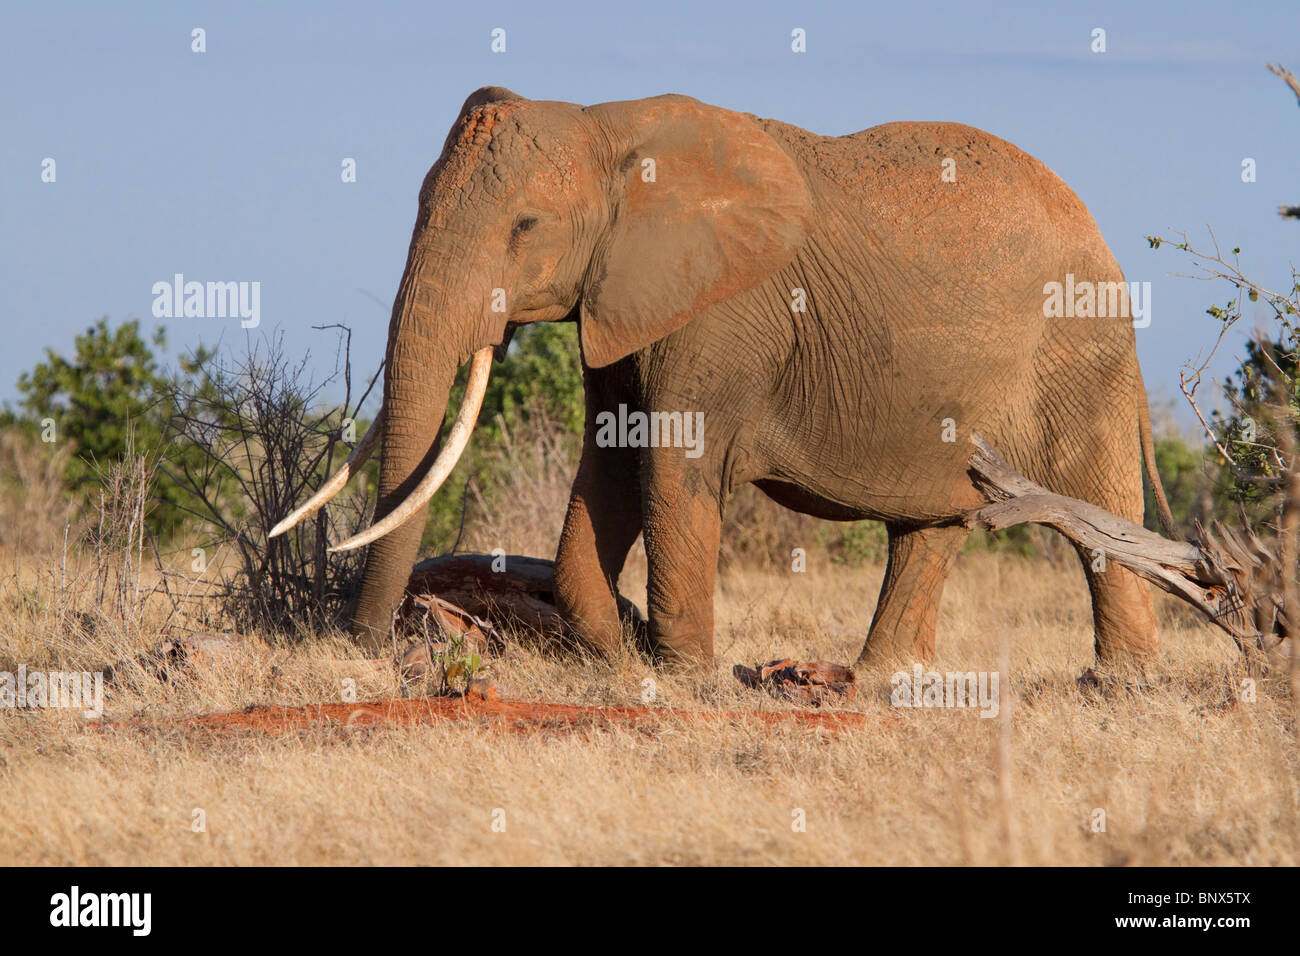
225,165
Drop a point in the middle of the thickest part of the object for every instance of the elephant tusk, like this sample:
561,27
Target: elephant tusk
340,478
442,466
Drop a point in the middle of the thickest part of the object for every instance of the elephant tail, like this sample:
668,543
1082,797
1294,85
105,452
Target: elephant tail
1163,514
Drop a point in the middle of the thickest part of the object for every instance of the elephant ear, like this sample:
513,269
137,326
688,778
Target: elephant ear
705,205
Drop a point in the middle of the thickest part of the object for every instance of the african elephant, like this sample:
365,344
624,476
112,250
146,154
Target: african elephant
839,314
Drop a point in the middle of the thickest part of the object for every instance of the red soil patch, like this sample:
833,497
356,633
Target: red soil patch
520,716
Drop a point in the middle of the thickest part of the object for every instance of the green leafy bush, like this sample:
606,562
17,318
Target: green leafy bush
110,387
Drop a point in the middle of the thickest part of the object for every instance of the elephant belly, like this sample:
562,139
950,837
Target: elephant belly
806,502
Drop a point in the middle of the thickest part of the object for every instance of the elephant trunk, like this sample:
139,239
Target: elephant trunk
421,365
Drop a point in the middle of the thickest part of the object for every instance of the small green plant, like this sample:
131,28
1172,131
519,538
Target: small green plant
456,664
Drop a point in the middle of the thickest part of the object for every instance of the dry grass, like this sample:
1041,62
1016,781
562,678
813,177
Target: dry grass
31,483
1185,772
1182,778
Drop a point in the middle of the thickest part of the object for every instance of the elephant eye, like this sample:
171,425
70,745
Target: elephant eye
522,225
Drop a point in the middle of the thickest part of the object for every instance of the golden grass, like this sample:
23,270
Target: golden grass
1184,771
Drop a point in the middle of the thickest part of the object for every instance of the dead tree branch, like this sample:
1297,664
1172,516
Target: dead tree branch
1287,77
1232,577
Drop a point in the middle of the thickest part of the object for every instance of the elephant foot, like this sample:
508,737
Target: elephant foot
886,657
693,657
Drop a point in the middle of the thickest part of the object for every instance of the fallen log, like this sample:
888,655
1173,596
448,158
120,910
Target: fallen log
494,591
1231,576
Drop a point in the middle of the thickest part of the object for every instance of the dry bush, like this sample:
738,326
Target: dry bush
117,538
252,442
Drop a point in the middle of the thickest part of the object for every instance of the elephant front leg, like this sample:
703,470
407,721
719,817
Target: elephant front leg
682,534
602,522
903,627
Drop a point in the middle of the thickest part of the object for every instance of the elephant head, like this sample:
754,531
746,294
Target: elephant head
630,218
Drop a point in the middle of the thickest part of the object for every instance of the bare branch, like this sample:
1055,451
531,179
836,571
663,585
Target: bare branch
1287,77
1232,578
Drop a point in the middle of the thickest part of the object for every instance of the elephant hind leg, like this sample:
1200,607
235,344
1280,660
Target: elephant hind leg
903,627
1124,623
1110,476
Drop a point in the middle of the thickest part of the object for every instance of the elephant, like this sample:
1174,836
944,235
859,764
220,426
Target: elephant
838,314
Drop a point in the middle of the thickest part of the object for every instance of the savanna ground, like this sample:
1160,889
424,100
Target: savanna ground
1184,769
